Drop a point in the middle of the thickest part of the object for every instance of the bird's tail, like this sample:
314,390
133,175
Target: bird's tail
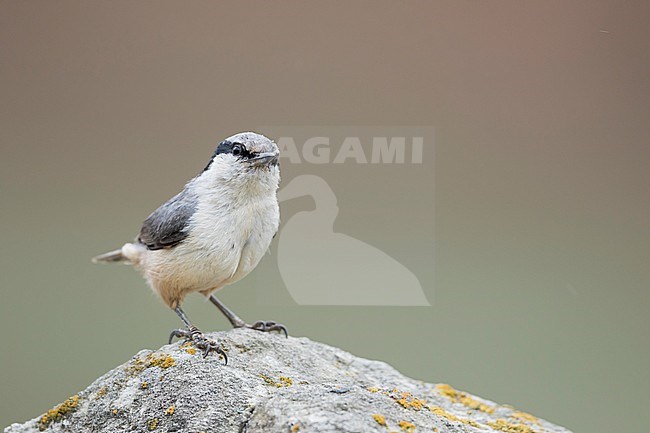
110,257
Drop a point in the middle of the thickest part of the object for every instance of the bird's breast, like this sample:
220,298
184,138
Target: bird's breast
229,241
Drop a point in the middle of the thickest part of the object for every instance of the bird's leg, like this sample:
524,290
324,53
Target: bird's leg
194,334
237,322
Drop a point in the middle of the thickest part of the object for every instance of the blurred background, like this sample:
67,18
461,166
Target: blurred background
533,250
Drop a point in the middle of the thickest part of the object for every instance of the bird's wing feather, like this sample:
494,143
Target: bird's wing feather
167,226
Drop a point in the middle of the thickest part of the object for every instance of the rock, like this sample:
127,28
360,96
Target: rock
272,384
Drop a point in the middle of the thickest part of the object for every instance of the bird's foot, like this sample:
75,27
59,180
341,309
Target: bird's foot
268,326
194,335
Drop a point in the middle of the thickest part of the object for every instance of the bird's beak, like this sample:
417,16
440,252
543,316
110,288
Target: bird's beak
266,158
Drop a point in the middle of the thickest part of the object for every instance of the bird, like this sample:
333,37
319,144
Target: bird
211,234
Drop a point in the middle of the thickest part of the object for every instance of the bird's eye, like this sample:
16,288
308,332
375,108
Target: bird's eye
238,149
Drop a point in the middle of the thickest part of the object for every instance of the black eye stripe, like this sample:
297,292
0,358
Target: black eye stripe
227,146
232,147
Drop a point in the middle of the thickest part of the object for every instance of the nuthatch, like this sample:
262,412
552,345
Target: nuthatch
211,234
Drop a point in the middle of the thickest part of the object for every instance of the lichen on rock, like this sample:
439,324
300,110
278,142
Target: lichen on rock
272,384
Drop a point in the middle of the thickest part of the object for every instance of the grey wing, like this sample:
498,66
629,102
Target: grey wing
167,226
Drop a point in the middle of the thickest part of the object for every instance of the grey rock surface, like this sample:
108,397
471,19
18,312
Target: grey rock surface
272,384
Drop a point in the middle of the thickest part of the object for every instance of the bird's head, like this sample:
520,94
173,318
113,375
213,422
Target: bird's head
246,159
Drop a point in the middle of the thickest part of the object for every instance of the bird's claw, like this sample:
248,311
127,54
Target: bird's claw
268,326
179,333
199,340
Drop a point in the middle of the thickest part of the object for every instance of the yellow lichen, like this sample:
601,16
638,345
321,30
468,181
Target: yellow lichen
463,398
451,417
295,428
58,413
407,426
373,389
115,411
508,427
267,379
170,410
101,392
525,417
144,385
282,381
380,419
189,348
152,424
161,360
408,401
